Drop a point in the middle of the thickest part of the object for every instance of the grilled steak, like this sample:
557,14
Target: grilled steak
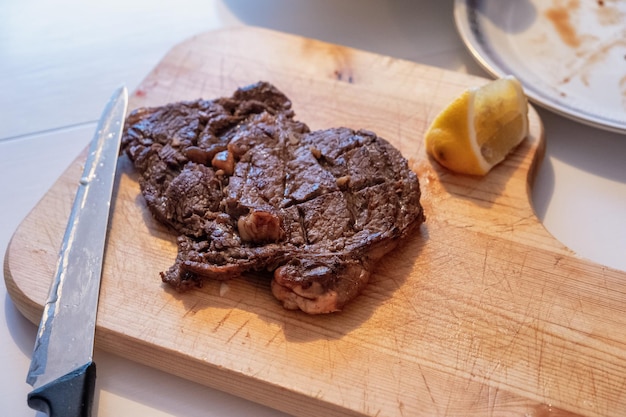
249,188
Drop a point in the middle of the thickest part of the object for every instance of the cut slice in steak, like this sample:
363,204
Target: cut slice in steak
248,188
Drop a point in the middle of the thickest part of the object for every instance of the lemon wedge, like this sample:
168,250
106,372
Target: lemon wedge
480,127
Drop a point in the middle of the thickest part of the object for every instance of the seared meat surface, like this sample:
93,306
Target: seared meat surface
249,188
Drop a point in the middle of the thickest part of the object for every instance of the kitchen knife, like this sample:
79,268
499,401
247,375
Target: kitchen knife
62,371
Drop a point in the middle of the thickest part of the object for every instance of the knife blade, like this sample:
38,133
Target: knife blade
62,371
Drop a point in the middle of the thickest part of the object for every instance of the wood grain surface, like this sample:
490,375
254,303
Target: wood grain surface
481,313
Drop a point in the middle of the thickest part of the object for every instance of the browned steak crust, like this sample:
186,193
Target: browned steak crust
248,188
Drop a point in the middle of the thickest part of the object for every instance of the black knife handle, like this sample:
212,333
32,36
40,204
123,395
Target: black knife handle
68,396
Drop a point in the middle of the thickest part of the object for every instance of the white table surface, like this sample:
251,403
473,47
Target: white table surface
60,60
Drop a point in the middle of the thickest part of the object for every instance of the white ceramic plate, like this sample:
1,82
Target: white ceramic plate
570,55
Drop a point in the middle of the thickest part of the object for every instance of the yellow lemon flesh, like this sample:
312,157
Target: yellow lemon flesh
480,127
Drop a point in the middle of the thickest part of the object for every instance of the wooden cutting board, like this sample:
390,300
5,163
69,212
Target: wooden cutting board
482,313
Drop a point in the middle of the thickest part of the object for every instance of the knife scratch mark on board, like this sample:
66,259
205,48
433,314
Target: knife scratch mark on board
274,336
428,390
400,407
241,327
191,311
222,321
